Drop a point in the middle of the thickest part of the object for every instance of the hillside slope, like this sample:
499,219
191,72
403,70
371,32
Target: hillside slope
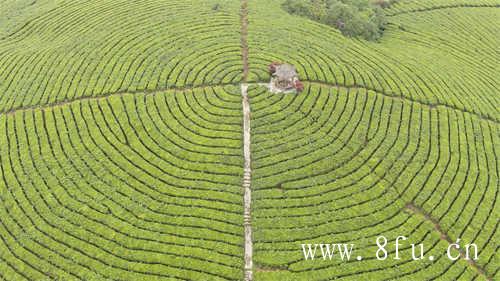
121,144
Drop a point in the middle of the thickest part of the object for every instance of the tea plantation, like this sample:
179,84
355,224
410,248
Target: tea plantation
122,141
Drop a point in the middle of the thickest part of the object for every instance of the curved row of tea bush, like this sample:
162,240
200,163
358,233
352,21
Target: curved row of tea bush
428,58
338,165
145,184
15,13
91,48
130,187
411,6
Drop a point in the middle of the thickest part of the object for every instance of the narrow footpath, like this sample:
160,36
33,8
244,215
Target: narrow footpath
247,170
247,195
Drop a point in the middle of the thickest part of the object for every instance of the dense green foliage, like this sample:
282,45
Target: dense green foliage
355,18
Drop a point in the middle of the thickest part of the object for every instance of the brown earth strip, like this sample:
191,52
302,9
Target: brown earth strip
244,34
107,95
444,236
181,89
409,99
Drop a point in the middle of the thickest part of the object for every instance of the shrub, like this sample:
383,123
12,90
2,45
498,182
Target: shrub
354,18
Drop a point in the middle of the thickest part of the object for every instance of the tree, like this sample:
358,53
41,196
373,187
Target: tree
354,18
298,7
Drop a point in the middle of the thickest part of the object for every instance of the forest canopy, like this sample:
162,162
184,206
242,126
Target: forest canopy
354,18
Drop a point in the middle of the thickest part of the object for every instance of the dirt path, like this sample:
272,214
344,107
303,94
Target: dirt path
244,33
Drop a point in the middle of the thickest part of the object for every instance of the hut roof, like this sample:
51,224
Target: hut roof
285,71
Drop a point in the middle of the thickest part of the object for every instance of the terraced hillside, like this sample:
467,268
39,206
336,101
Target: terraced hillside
131,149
343,165
127,187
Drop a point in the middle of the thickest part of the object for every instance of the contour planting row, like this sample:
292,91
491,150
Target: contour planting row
338,165
128,187
96,48
412,6
410,60
470,71
15,14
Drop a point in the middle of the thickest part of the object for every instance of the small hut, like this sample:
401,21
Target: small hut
284,78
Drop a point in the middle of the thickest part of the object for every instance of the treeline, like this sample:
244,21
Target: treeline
354,18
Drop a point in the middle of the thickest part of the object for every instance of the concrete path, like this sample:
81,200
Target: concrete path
247,175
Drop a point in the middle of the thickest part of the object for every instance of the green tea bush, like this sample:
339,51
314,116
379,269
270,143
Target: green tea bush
354,18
